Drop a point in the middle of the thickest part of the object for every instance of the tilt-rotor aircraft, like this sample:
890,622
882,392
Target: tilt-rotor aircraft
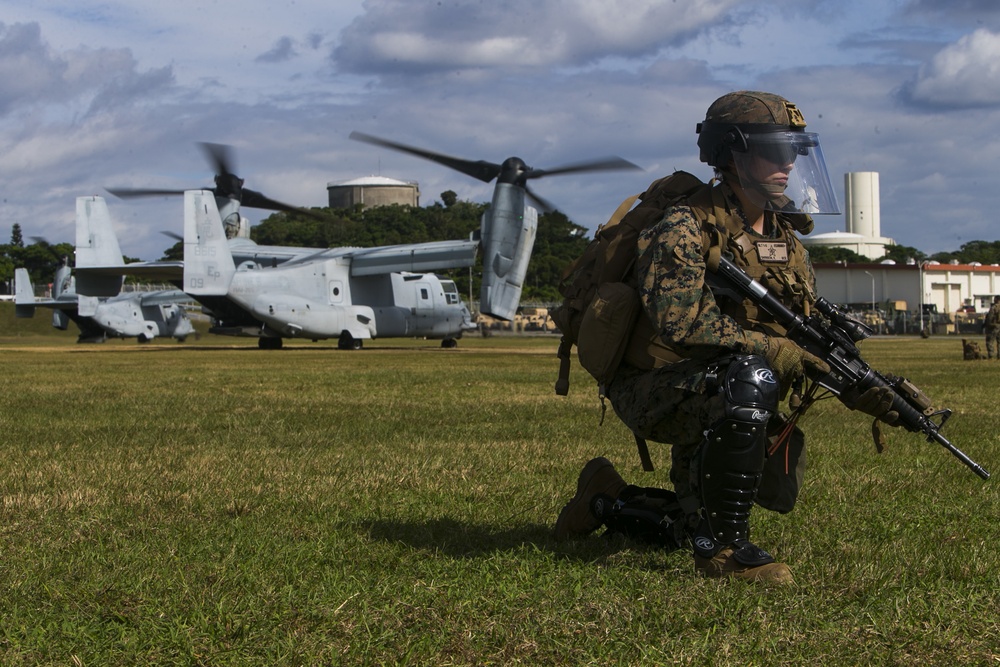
351,294
140,315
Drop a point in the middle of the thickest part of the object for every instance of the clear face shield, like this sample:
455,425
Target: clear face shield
785,171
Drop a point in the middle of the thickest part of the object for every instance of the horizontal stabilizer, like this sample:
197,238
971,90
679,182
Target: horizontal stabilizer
165,271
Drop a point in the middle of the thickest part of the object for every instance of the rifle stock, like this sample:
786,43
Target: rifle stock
833,340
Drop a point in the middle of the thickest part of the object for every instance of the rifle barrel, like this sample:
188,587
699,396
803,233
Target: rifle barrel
959,454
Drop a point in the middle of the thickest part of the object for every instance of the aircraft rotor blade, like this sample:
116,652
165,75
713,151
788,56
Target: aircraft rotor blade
227,184
255,199
220,155
611,163
479,169
543,204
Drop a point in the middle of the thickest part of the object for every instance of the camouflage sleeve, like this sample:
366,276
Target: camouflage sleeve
671,276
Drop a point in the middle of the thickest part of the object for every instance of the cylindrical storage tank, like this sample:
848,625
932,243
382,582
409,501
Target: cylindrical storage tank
862,204
373,191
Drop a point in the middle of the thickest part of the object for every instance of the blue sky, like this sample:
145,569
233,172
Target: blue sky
118,93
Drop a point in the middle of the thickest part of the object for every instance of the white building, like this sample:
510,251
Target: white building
947,287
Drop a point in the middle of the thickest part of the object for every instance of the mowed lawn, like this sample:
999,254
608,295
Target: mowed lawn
211,503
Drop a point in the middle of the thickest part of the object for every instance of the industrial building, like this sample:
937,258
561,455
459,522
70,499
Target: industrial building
373,191
908,294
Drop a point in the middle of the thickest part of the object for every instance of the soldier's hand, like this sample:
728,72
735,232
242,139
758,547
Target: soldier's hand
877,402
789,361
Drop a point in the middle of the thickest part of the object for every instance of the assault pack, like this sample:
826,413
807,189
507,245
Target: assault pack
600,309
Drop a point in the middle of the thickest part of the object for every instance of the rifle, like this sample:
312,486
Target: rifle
833,339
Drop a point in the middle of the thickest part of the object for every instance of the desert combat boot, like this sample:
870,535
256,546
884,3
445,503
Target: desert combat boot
726,563
576,519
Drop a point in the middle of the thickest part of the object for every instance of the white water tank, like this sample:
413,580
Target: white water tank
862,203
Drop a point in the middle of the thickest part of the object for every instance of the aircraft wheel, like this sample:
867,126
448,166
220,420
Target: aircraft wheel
143,338
348,342
449,343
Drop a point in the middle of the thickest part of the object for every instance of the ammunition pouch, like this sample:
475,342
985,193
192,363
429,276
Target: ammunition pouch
785,466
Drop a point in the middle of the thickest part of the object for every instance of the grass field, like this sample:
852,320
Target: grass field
214,504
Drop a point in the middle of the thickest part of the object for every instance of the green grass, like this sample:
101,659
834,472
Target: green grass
214,504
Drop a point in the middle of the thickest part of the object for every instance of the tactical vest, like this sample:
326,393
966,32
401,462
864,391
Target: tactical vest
780,263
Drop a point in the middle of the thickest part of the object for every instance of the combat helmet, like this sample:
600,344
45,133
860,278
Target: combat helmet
744,130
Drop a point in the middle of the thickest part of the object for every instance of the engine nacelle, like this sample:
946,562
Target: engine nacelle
508,239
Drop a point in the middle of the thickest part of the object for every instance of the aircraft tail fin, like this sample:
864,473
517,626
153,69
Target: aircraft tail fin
96,246
208,262
24,294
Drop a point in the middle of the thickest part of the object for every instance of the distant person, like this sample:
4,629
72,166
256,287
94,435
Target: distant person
992,328
720,367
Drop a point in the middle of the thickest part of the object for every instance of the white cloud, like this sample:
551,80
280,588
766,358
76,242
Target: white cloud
395,34
964,74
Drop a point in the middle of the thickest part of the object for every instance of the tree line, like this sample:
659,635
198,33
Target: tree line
558,242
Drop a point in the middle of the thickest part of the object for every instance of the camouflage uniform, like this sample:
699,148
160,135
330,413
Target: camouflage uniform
992,328
677,403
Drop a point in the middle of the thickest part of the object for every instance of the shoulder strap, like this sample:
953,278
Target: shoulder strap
620,212
640,443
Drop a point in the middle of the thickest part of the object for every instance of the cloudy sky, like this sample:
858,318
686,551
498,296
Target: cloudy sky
117,93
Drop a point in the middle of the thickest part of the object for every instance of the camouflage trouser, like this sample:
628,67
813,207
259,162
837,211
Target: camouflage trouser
673,405
993,342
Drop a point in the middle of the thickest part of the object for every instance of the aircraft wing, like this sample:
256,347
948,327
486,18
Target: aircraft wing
415,257
164,297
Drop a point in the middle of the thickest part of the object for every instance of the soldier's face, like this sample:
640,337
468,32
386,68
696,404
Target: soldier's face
773,177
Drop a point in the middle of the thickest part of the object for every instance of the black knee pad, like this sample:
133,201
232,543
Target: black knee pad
731,458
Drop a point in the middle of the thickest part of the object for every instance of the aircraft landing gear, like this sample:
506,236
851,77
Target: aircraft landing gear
449,343
269,343
348,342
